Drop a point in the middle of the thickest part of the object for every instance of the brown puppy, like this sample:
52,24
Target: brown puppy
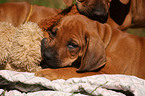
122,13
19,13
93,9
89,45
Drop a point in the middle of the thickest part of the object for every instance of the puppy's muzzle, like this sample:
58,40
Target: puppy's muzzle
99,16
44,44
49,56
95,13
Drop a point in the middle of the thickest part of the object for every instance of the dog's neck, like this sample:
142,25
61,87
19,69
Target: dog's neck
105,33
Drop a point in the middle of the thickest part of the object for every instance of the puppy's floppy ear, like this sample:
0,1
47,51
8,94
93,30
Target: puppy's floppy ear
47,24
124,1
68,2
93,55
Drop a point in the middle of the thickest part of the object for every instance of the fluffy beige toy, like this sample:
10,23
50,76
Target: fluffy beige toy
6,36
20,47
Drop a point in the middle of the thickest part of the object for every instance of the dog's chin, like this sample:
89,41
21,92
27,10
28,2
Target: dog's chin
102,18
54,65
98,18
47,64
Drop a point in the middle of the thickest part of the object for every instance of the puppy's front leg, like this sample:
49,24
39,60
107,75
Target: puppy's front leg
61,73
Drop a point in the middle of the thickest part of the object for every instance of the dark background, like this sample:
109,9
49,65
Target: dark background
60,4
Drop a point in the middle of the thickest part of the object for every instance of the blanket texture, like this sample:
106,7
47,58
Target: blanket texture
26,84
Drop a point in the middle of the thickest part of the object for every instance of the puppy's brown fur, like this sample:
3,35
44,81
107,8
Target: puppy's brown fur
90,46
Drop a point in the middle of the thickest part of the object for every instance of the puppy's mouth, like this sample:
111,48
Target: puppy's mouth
96,17
101,19
54,64
49,64
49,60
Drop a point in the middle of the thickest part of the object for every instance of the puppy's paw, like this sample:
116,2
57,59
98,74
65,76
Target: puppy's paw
50,74
61,73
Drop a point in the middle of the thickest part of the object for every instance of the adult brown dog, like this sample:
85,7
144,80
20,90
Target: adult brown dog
88,45
19,13
122,13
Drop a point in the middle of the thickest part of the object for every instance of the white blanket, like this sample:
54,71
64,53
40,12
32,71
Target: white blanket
26,84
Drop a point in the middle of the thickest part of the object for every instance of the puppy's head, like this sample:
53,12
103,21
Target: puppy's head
93,9
71,38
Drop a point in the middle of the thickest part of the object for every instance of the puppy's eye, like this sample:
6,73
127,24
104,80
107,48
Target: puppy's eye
81,0
72,45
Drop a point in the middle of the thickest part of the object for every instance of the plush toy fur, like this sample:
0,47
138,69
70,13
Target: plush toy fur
20,47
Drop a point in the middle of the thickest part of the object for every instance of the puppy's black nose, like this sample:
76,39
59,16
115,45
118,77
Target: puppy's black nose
43,41
43,44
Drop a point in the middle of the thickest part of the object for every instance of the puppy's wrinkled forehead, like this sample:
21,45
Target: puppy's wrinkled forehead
73,23
78,24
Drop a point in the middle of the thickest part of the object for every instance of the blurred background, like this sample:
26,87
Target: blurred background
61,5
47,3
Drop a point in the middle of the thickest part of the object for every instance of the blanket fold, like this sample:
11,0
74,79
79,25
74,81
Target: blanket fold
14,83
